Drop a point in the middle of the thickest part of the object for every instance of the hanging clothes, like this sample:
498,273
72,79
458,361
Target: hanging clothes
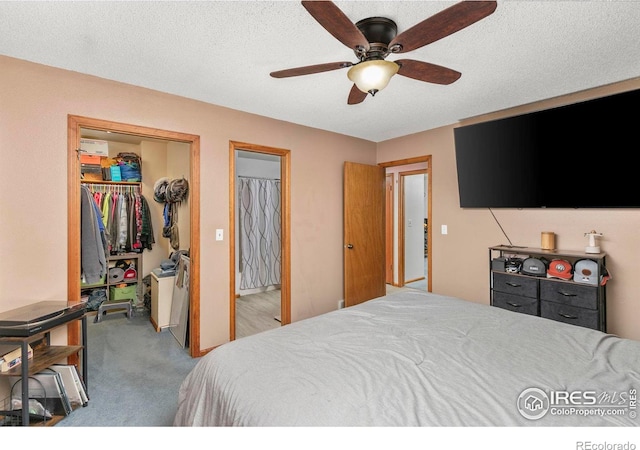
125,218
146,229
121,245
106,204
136,244
92,238
174,236
113,222
170,228
172,193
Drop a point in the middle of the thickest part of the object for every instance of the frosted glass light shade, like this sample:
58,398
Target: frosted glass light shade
372,76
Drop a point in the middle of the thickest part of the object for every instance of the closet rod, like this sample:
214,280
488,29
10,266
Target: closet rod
115,183
259,178
106,186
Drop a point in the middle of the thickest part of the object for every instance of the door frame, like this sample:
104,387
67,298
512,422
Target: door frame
389,210
403,162
285,226
74,125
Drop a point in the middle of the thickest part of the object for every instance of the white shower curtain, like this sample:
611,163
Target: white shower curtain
259,217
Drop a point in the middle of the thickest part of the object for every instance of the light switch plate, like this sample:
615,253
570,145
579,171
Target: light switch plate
219,234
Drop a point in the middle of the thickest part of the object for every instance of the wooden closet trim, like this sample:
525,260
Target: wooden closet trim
74,124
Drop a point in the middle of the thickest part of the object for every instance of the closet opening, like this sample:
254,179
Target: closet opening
162,155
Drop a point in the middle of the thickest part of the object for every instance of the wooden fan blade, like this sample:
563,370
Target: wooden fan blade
356,96
422,71
442,24
307,70
337,23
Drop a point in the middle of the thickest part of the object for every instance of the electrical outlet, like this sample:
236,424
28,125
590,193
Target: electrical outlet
219,234
340,304
444,229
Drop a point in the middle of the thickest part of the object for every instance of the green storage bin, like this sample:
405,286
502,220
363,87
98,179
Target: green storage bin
123,293
83,283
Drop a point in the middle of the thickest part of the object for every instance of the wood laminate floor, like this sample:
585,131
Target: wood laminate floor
257,312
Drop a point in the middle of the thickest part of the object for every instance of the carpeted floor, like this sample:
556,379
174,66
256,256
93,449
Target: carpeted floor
134,374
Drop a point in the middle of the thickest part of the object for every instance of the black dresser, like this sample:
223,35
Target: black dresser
573,302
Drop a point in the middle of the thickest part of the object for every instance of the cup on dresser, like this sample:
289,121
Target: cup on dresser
548,240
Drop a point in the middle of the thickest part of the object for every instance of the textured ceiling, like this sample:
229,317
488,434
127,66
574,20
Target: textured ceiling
223,52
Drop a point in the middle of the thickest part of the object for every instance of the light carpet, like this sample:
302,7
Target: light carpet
134,374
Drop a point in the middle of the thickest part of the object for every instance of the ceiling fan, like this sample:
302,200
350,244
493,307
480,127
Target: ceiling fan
374,38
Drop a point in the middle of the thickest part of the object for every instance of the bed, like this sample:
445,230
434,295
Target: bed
416,359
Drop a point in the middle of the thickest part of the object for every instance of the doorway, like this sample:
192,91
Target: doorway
389,228
412,230
76,126
396,257
259,224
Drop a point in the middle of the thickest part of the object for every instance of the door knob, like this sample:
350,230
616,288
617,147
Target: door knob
349,246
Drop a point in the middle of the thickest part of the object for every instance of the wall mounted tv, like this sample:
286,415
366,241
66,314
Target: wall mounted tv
584,155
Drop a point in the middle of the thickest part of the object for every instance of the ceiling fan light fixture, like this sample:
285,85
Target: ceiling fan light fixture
372,76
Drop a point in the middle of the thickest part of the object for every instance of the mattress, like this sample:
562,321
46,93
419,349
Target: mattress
416,359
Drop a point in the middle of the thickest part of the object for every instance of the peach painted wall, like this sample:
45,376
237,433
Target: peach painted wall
460,258
35,101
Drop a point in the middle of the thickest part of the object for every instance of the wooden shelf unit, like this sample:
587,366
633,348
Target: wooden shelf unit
44,356
108,283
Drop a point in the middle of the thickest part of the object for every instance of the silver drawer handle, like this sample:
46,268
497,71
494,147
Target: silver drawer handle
567,316
566,294
515,305
513,284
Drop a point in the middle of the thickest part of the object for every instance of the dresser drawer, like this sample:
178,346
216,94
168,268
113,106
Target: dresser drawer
525,305
514,284
588,318
572,294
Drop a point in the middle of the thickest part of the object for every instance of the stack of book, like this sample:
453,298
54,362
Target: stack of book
90,167
12,357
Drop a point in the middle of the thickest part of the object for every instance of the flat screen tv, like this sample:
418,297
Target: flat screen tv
584,155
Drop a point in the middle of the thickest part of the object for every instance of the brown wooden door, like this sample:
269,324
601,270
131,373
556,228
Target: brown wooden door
364,233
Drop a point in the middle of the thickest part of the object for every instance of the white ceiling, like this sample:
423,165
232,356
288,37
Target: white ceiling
222,52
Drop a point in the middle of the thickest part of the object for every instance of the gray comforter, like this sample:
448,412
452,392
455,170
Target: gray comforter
416,359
